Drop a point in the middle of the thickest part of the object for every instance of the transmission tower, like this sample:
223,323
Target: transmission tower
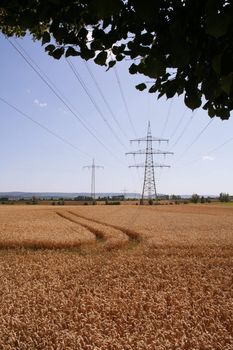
149,188
124,192
93,167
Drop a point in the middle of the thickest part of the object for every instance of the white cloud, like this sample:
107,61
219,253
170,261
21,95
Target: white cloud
207,158
40,104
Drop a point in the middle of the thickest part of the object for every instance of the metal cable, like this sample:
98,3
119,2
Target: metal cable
62,100
195,140
77,75
183,131
178,124
50,81
105,100
124,100
44,127
167,117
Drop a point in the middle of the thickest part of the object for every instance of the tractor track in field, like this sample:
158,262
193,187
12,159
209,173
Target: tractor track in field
132,235
97,233
111,236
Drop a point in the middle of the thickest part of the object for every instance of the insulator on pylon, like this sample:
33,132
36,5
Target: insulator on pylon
149,187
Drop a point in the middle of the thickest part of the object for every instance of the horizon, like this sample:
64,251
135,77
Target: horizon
108,193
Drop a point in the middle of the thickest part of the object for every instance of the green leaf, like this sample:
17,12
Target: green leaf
71,52
153,88
226,83
101,58
55,2
28,18
60,34
216,63
207,105
211,112
146,10
118,49
97,33
110,65
45,38
141,87
161,94
119,57
133,69
171,88
131,45
153,68
225,114
146,39
50,48
180,90
217,25
192,101
57,53
87,54
105,8
83,32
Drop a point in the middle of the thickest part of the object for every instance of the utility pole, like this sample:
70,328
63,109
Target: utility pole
93,167
149,188
124,191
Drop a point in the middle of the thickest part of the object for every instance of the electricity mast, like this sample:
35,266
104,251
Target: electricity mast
93,167
149,188
124,192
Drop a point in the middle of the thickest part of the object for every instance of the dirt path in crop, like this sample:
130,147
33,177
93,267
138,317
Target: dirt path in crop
111,236
132,235
97,233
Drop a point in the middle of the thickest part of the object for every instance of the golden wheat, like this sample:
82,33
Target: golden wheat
167,287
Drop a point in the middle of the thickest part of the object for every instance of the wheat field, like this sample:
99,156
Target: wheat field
109,278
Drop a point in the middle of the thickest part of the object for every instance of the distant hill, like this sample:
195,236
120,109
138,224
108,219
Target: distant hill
56,195
71,195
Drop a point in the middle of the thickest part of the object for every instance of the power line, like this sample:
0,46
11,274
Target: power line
178,124
44,127
63,101
43,73
50,81
89,95
124,99
77,75
108,106
105,100
167,117
213,150
184,129
159,177
163,131
221,145
195,140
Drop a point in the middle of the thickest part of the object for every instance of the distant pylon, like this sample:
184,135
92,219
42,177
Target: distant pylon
149,187
124,191
93,167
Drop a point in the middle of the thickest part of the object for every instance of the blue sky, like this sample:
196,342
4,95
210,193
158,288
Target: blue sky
34,160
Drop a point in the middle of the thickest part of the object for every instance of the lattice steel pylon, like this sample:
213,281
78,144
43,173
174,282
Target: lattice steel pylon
93,167
149,187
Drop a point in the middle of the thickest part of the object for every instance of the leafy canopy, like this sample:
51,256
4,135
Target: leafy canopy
183,46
